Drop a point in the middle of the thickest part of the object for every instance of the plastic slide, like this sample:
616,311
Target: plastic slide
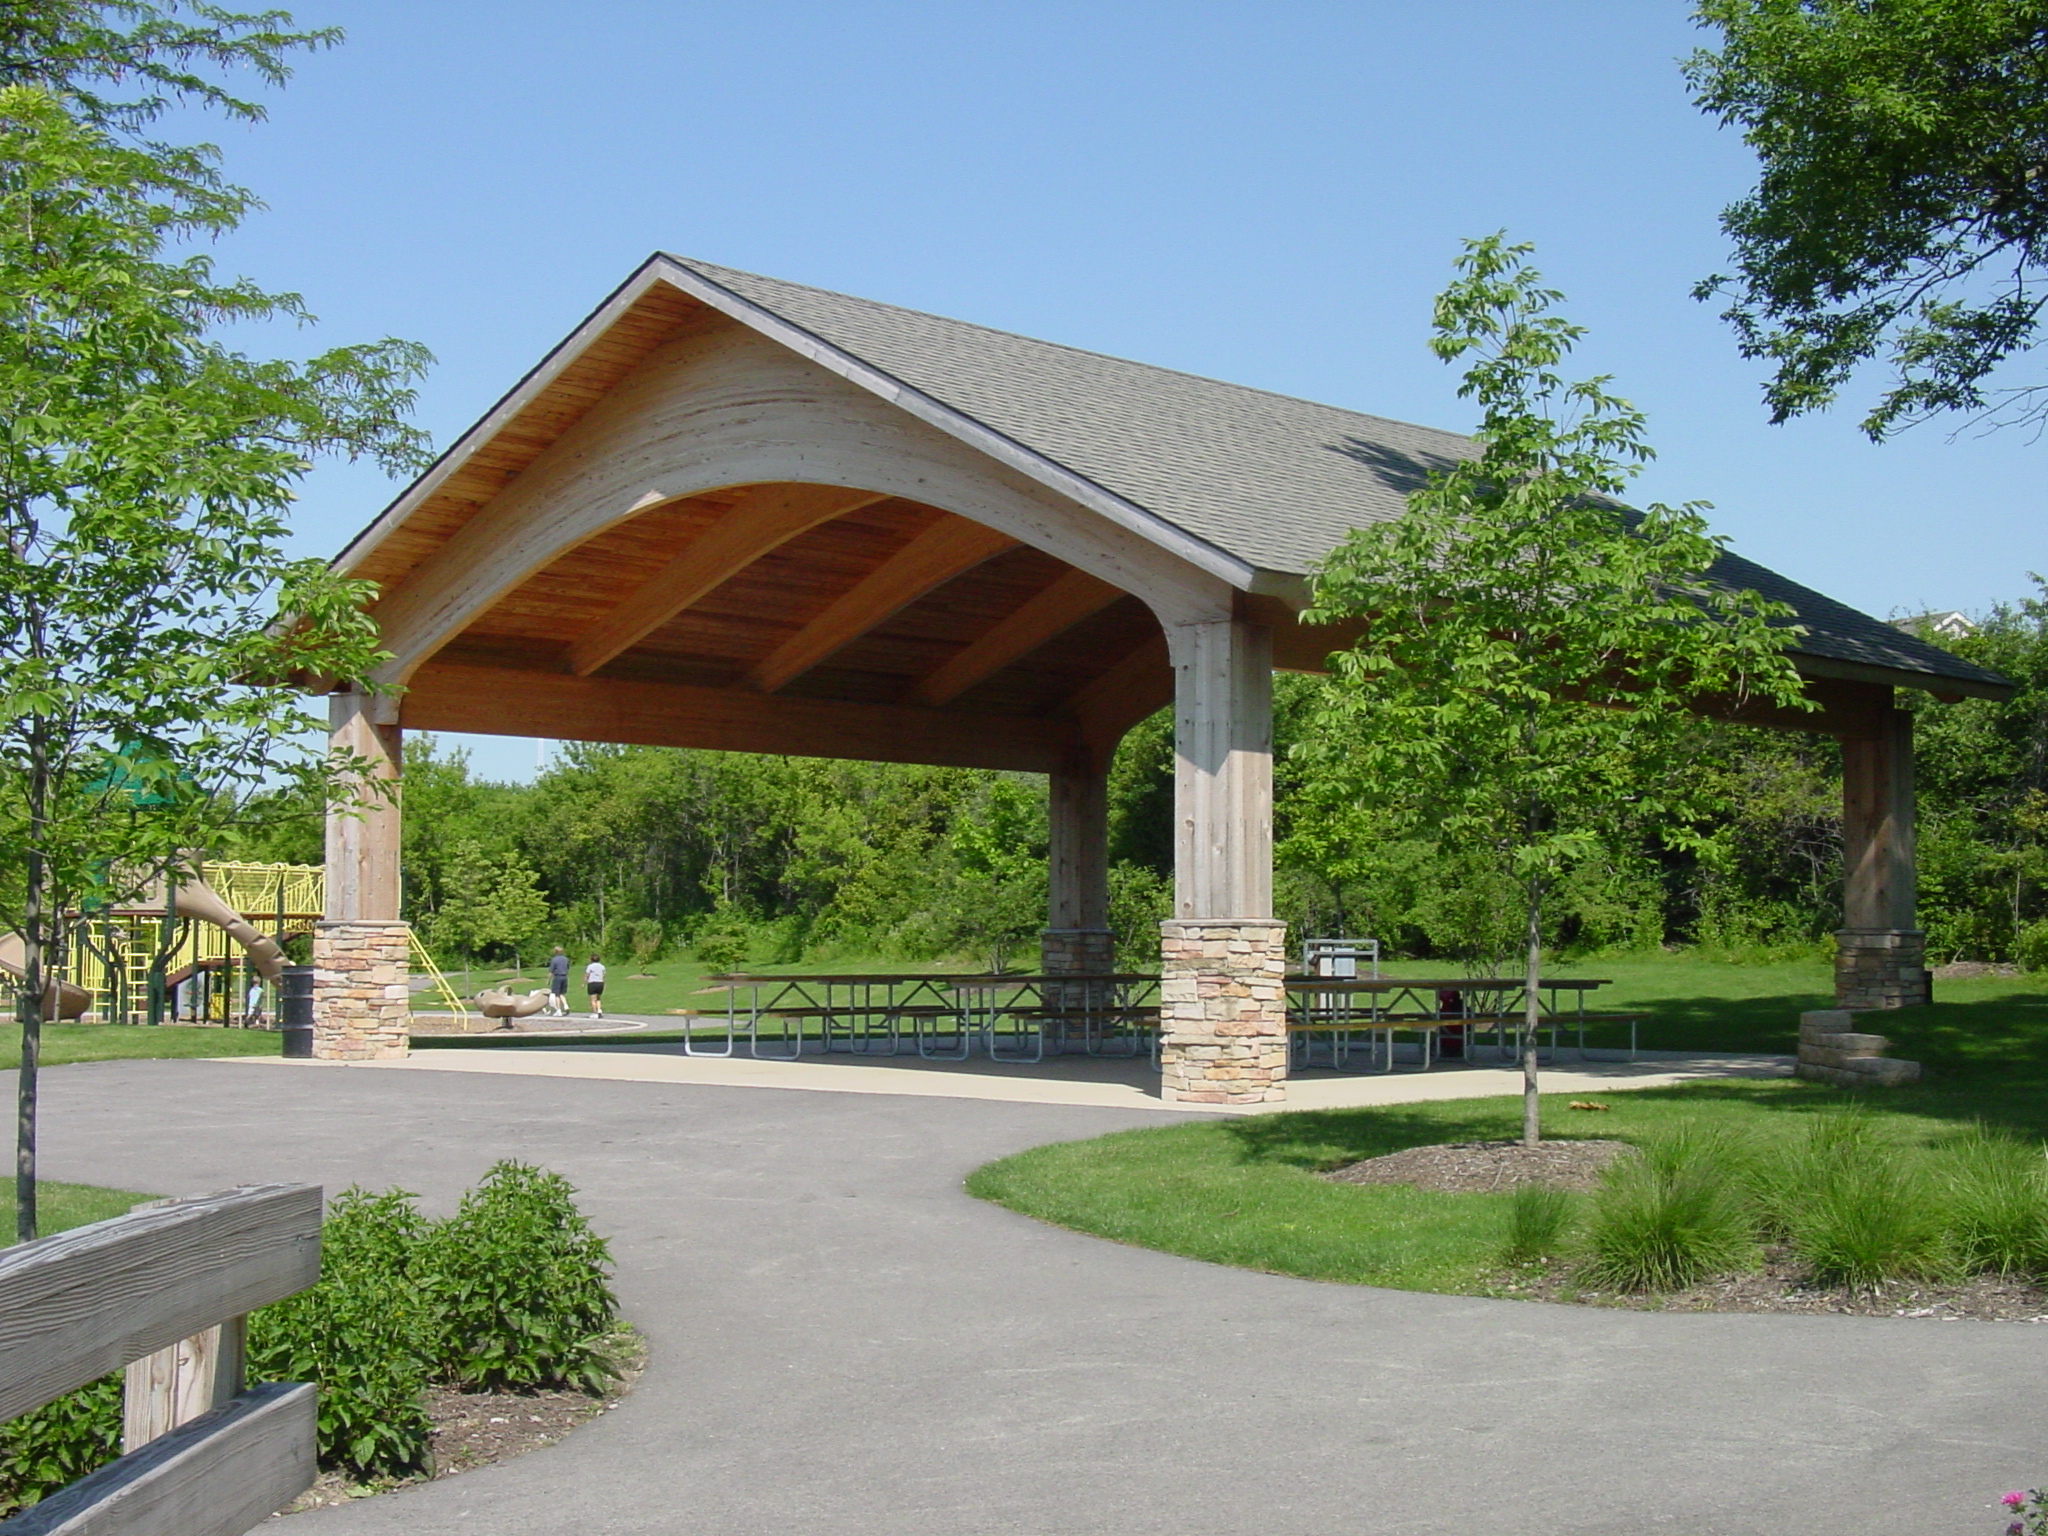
197,899
71,1001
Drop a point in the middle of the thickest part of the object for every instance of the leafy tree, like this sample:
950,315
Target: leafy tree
1900,210
1532,650
489,901
145,475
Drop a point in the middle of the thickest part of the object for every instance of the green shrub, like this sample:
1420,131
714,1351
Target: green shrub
1670,1214
1539,1220
519,1283
1997,1190
2031,950
1869,1211
365,1333
59,1443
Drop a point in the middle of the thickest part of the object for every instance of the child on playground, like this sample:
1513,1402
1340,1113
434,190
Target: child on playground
593,983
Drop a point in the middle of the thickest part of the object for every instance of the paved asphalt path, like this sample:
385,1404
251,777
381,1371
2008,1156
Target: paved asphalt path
843,1342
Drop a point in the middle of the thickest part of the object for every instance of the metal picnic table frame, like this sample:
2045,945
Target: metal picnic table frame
1341,1007
948,1014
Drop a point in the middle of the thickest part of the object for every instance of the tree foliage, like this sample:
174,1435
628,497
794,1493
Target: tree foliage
1900,211
1532,651
146,470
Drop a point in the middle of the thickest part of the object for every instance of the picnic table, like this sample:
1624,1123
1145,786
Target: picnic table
1012,1017
1338,1010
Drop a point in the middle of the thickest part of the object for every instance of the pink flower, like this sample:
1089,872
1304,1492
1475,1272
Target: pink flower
2013,1500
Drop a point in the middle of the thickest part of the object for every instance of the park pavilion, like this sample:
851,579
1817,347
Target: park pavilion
733,512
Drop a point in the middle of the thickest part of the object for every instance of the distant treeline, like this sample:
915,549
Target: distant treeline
636,851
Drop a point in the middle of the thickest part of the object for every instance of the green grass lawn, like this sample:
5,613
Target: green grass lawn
60,1207
1246,1192
66,1043
1689,1002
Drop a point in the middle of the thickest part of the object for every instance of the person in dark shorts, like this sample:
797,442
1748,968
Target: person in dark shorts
558,983
593,983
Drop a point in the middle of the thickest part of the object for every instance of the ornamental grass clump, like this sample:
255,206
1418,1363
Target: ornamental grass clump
1540,1218
519,1283
1869,1210
1996,1191
1670,1214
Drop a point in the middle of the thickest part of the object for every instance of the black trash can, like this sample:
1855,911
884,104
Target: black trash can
295,1009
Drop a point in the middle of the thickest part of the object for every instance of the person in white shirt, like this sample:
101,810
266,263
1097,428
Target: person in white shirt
593,983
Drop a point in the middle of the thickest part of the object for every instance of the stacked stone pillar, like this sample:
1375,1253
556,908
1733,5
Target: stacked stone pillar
1223,1001
362,1005
1880,952
1223,1012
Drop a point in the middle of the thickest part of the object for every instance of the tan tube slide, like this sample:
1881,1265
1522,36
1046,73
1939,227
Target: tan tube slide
61,1000
196,899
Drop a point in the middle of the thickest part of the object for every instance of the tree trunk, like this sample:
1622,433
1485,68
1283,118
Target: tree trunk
1532,975
34,920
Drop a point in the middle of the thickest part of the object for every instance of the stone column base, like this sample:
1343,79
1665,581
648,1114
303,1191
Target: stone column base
362,1006
1223,1011
1880,968
1833,1050
1091,950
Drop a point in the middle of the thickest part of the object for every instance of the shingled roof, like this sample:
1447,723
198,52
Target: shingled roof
1275,481
1260,486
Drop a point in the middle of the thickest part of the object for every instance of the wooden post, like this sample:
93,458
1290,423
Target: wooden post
1077,936
362,1006
1077,939
1223,1008
363,839
1223,770
1880,955
176,1384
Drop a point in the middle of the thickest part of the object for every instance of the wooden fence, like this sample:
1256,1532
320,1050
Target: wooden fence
166,1291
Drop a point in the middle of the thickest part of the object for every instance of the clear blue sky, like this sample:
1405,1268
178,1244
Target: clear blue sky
1269,193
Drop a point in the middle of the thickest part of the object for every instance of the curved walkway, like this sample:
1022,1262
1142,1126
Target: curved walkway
843,1342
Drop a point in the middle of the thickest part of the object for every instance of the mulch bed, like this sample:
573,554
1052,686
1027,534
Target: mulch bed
1483,1167
1781,1284
476,1429
1785,1285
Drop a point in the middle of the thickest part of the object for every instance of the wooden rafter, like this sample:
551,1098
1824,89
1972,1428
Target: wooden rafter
768,517
503,701
1122,696
948,548
1069,600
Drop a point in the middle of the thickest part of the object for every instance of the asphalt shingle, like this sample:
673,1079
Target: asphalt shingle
1274,481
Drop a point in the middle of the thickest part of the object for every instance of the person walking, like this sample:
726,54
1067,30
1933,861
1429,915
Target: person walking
558,983
593,983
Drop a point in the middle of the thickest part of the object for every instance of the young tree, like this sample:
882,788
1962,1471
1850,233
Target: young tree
1531,647
145,473
1900,207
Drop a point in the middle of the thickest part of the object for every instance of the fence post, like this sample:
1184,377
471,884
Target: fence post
178,1383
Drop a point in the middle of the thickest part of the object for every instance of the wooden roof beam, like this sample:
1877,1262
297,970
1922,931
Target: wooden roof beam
1069,600
766,518
948,548
504,701
1122,696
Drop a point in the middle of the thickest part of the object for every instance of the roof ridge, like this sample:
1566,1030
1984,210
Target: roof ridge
709,269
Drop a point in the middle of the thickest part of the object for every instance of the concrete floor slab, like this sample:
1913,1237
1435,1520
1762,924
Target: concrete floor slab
1108,1083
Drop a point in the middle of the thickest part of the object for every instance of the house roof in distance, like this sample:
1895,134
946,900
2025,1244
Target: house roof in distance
1256,486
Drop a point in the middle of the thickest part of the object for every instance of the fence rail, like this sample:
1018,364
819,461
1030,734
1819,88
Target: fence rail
166,1291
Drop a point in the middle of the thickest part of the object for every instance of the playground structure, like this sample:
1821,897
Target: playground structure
191,949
